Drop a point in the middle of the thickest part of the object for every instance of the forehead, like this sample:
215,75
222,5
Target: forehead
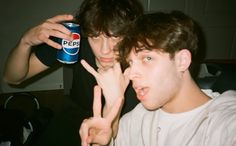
135,52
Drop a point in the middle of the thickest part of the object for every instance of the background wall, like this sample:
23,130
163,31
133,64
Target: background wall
216,17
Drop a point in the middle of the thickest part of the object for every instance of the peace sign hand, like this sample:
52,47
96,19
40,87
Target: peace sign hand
97,129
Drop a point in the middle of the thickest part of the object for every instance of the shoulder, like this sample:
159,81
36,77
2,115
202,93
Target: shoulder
222,119
229,93
219,118
222,110
226,99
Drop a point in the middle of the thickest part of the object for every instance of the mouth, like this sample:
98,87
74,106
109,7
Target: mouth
106,60
141,92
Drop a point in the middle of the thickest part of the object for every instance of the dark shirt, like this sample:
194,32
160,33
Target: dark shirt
83,82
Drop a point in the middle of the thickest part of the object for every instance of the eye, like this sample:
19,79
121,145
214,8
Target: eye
95,37
115,38
147,58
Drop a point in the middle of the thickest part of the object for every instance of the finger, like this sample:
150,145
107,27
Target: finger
126,75
115,110
89,68
60,18
61,35
53,44
60,31
84,133
86,128
101,137
57,30
97,105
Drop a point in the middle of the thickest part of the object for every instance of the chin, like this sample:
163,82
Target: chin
150,107
107,65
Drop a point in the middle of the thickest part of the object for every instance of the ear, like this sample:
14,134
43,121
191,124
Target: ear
183,59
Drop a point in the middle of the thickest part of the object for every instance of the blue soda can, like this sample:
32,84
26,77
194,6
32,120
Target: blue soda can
70,49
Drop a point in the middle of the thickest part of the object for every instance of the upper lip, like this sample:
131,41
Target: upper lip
137,87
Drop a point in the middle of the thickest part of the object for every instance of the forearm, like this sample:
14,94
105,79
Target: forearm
17,64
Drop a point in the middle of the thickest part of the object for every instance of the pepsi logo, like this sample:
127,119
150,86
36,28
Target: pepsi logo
72,44
76,36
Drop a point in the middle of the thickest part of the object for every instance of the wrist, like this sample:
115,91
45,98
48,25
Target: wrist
110,104
107,107
24,44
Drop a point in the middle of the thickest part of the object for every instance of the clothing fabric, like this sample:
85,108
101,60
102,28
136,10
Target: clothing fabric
81,96
214,125
169,122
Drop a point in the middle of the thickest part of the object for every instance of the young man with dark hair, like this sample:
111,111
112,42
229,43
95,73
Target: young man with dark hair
158,50
103,24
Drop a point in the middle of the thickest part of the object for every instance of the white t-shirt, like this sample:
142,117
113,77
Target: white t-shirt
212,124
170,123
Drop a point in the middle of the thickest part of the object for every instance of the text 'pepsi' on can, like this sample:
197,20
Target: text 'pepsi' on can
70,49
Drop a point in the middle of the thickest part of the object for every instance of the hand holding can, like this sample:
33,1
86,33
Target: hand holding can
70,49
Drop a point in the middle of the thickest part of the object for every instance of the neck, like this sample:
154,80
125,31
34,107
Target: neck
189,97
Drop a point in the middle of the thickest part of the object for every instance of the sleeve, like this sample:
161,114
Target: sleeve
46,54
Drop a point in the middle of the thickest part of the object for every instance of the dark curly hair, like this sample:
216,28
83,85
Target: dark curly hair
166,32
110,17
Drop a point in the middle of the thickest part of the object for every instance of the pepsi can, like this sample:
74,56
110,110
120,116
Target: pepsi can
70,49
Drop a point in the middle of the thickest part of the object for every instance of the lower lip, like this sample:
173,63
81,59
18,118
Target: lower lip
143,94
107,60
140,97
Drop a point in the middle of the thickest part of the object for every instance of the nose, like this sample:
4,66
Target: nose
106,47
133,72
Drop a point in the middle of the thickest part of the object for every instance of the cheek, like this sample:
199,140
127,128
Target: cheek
95,47
158,76
113,44
165,80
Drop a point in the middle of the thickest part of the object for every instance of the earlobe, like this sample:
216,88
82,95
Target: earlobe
184,59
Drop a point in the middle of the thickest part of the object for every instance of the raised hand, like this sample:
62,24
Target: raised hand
98,129
51,27
112,81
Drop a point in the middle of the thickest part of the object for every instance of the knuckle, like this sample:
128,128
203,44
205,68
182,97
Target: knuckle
41,36
45,24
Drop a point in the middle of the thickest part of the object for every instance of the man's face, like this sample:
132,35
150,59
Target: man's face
103,49
155,78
